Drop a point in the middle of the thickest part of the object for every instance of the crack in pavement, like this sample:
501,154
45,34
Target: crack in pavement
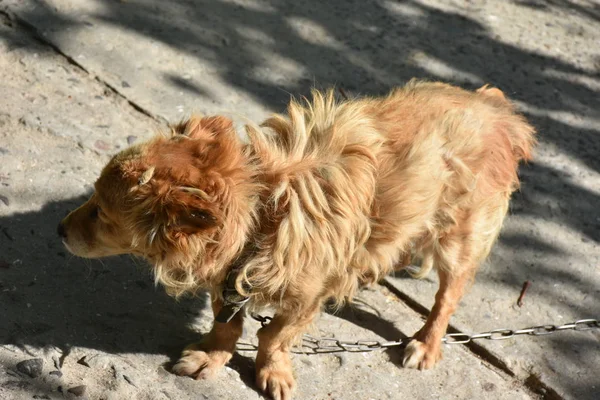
531,381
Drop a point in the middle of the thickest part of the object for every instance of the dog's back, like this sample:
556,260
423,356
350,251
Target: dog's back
321,169
359,184
450,154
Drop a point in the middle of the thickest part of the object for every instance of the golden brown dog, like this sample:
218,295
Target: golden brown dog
332,196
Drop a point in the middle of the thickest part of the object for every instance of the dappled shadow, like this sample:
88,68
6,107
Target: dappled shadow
49,298
365,46
271,49
575,351
560,274
552,194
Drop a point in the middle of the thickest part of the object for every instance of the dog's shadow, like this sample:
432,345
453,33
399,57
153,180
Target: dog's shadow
367,317
49,298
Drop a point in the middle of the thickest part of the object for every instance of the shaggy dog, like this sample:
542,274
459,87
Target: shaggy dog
332,196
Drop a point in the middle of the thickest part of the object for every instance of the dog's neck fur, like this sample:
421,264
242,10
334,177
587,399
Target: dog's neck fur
230,262
228,278
204,260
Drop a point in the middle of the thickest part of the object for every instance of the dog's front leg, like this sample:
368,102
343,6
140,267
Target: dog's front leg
202,360
274,374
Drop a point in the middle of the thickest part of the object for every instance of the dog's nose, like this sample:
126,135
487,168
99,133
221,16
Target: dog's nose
61,231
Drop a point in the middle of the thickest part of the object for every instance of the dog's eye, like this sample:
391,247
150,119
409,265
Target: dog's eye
201,215
94,213
97,213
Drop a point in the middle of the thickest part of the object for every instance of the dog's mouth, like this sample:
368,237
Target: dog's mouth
94,253
64,242
72,249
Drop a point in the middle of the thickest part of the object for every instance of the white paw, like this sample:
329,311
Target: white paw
278,384
199,364
421,356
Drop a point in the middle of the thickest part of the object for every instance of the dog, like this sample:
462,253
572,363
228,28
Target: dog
314,204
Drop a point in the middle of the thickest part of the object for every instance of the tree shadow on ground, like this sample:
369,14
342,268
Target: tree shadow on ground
364,46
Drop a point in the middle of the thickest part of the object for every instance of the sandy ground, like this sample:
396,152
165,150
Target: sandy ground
82,79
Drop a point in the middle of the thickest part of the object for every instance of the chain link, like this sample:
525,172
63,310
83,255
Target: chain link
313,345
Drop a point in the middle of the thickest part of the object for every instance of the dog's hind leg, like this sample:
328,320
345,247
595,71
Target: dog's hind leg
274,373
202,360
457,256
424,351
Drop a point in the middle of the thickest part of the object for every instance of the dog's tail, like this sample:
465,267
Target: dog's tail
519,132
421,271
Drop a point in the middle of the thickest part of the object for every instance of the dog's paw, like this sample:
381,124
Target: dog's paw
421,355
200,364
278,384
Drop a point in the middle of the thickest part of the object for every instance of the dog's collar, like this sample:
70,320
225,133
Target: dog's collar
233,301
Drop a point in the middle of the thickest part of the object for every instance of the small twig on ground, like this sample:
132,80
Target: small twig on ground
522,295
83,362
128,379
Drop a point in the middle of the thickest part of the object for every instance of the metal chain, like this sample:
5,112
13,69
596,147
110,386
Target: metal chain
313,345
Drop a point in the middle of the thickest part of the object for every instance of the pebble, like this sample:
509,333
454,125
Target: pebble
98,361
32,367
131,139
5,200
78,390
101,145
57,373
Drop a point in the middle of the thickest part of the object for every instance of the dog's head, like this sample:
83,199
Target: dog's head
173,200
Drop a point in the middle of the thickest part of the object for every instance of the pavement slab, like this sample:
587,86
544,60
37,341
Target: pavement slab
82,79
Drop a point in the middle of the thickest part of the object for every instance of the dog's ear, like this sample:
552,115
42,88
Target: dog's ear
491,91
191,210
207,127
192,221
176,210
217,124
